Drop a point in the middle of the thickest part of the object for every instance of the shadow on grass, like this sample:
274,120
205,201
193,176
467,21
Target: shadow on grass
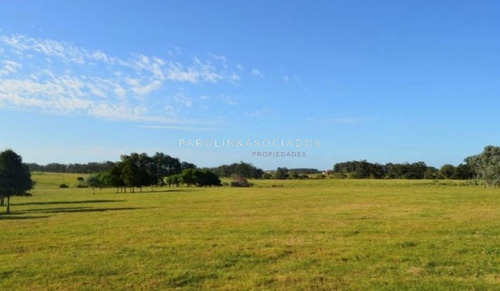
67,202
79,209
170,190
15,216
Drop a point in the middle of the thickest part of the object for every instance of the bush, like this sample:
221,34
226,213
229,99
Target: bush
267,176
63,186
338,176
240,182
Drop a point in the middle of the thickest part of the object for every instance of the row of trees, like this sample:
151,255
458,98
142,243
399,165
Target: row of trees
419,170
240,169
195,177
87,168
247,170
138,171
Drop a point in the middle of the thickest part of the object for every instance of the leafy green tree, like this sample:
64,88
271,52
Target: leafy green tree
281,173
80,182
196,177
114,177
486,166
293,175
187,176
130,171
431,173
240,169
186,165
94,181
362,170
173,180
463,172
206,178
447,171
15,176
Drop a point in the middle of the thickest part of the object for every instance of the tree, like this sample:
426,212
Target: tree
94,180
114,177
80,182
281,173
463,172
130,171
486,166
196,177
173,180
206,178
186,165
187,176
447,171
240,169
431,173
15,176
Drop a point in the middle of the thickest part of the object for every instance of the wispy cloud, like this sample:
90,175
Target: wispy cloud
8,67
257,73
183,128
338,120
263,113
58,77
228,100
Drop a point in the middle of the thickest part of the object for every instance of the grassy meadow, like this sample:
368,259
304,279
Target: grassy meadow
304,234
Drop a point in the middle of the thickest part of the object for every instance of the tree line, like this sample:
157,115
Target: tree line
418,170
77,168
241,169
483,169
138,171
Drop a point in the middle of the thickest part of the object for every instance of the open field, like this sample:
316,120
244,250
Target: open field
312,234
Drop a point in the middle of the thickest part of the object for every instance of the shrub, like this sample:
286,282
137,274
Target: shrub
338,176
240,182
63,186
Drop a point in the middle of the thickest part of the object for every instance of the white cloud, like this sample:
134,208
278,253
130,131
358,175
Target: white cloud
338,120
182,99
183,128
59,77
8,68
257,73
263,113
228,100
60,95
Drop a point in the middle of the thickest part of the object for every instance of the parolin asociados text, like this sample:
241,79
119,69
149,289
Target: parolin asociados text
254,143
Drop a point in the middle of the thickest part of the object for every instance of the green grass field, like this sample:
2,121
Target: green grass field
312,234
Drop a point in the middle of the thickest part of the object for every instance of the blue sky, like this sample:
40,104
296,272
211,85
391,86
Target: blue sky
386,81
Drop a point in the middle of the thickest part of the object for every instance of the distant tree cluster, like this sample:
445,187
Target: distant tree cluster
197,177
486,166
283,173
419,170
138,171
305,171
241,169
92,167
